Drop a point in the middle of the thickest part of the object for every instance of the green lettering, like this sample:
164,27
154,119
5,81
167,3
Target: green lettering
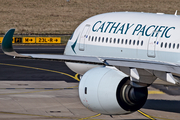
108,26
128,27
121,29
115,27
138,27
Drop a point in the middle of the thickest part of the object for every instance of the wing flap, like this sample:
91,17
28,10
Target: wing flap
144,64
66,58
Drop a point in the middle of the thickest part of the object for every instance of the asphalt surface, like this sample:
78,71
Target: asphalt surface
11,73
40,89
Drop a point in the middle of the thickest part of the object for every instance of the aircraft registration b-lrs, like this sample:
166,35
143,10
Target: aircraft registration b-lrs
119,55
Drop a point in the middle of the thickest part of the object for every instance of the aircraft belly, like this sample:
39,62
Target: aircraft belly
80,68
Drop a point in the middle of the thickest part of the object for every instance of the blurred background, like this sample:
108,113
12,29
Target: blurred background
63,16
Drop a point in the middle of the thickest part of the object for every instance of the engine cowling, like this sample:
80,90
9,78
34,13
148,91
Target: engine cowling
107,90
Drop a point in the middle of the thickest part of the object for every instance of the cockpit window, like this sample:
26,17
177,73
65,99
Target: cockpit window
71,36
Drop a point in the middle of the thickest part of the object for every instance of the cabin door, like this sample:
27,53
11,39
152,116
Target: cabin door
152,43
84,37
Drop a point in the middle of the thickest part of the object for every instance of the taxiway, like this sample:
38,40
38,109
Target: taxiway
40,89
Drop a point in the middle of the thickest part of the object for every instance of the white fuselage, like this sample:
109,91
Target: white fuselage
144,36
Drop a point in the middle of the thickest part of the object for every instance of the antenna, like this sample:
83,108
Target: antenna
175,13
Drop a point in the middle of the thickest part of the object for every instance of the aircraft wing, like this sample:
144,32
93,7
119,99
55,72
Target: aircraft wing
8,50
167,68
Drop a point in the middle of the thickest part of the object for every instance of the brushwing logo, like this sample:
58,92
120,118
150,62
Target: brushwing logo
74,45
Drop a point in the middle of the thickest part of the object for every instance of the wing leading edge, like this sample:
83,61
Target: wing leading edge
166,68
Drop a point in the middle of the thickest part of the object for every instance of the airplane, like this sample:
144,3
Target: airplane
118,55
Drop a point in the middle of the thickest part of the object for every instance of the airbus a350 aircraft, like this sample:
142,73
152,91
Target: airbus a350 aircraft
119,55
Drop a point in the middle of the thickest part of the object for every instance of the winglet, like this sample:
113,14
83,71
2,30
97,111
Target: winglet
7,41
7,45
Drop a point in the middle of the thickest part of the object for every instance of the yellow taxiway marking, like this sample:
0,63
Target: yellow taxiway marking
155,92
146,115
161,118
74,77
152,117
90,117
60,117
41,69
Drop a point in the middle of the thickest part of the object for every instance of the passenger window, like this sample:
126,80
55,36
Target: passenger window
126,41
110,40
92,38
99,39
103,39
118,41
177,46
114,40
134,42
162,44
165,45
173,45
122,41
169,45
137,42
129,42
141,43
95,39
106,40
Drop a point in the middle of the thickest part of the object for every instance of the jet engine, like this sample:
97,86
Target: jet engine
107,90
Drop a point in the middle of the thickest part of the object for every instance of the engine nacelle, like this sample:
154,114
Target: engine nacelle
107,90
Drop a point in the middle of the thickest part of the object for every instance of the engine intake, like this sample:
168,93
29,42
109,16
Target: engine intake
107,90
129,97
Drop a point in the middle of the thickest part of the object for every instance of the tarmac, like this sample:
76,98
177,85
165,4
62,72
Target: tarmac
46,90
